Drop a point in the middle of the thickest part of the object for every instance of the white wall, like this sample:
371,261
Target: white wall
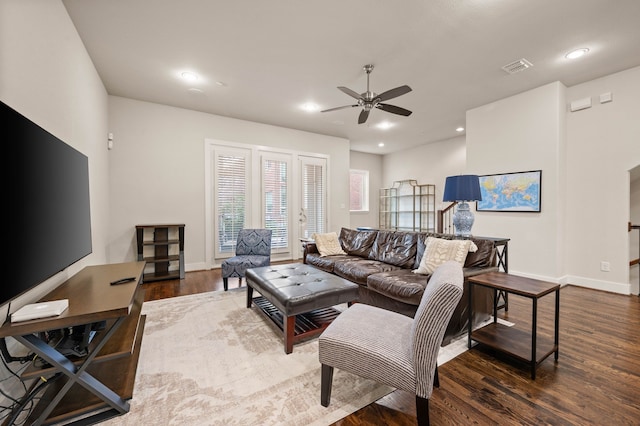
429,163
585,157
373,164
603,146
47,76
522,133
157,170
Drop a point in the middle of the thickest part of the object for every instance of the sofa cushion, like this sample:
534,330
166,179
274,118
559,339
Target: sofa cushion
439,251
395,248
358,269
357,243
400,284
421,244
483,257
325,263
328,244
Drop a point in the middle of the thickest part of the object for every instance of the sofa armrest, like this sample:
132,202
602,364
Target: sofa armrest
308,246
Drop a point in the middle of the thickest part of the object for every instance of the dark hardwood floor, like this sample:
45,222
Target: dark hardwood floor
596,380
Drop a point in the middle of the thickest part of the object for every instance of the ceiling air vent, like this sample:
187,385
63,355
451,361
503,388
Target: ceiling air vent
517,66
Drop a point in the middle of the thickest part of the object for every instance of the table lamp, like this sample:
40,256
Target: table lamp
462,188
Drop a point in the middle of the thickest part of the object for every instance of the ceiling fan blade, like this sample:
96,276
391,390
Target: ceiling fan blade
394,93
337,108
350,92
394,109
363,116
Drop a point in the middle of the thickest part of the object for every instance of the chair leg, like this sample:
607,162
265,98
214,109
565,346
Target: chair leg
225,282
436,378
325,386
422,411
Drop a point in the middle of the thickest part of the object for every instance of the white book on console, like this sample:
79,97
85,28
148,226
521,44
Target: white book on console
40,310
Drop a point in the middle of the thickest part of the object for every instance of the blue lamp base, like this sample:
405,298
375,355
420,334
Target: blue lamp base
463,220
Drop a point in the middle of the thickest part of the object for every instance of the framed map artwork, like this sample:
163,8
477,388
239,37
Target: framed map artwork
510,192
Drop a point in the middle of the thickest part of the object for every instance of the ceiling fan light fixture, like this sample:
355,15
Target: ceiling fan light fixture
384,125
370,100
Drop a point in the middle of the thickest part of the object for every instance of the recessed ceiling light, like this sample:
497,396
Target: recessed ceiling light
189,76
574,54
195,90
221,84
460,129
384,125
381,144
310,107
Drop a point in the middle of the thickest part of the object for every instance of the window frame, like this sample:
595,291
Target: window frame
364,190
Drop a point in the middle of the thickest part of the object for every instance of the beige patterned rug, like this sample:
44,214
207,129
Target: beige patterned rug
208,360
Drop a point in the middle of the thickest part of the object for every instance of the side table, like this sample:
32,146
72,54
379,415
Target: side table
511,340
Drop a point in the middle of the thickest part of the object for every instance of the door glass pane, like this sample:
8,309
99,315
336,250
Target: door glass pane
313,199
276,201
231,199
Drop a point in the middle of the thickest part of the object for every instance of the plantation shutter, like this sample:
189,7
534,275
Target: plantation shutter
313,198
275,184
231,189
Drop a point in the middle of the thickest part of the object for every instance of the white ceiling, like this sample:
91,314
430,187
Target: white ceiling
275,55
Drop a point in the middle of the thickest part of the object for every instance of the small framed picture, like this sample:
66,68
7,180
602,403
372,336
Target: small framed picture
511,192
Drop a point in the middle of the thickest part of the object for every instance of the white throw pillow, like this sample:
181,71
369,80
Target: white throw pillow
328,244
439,250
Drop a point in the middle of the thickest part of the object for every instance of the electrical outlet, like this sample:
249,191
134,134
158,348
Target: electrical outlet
605,266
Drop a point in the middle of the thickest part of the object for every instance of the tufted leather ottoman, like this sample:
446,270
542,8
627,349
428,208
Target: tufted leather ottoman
298,298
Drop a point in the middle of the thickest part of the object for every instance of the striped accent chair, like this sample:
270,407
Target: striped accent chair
391,348
253,249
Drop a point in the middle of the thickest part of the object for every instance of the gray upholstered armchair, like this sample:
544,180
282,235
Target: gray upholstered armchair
253,249
391,348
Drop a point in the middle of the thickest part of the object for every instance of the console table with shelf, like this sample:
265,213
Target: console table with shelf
98,386
524,345
166,243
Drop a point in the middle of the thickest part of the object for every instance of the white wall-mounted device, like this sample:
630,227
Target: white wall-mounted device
580,104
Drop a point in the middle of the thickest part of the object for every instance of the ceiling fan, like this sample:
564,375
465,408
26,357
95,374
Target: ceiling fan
369,100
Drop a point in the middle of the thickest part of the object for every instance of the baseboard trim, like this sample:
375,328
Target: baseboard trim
610,286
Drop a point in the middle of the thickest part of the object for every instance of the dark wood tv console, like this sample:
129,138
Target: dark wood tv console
98,386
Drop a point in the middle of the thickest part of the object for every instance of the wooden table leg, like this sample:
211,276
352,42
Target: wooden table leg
289,332
249,295
556,326
534,331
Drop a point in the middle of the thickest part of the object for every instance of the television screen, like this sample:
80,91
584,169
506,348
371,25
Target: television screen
46,197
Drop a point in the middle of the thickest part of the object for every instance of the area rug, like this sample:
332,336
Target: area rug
208,360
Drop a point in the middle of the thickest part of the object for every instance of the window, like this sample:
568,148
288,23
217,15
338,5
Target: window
359,190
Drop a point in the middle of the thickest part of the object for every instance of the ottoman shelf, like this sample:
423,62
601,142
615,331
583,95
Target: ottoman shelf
307,325
298,298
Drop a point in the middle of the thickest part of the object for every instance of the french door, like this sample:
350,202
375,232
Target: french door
252,187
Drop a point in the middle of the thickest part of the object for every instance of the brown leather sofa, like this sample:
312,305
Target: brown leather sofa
381,263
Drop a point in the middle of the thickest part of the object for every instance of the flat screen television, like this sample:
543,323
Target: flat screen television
46,197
